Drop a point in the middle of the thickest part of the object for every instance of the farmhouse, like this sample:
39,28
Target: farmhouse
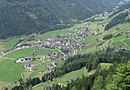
29,66
74,78
128,37
25,59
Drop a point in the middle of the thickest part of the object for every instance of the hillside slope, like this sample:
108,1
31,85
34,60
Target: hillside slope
19,17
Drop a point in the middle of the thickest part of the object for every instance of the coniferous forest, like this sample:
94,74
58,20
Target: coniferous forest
22,17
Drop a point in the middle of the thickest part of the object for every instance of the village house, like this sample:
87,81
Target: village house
74,78
74,52
25,59
119,49
41,71
29,66
128,37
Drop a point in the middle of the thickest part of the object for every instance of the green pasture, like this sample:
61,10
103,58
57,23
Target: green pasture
50,34
29,52
10,71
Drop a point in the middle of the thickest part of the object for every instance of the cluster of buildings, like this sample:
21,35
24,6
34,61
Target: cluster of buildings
81,33
84,31
66,44
117,49
25,59
29,66
128,33
28,59
56,56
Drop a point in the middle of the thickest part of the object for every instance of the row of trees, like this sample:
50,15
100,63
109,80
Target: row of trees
107,37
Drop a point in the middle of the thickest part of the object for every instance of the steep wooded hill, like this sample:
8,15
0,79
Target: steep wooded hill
19,17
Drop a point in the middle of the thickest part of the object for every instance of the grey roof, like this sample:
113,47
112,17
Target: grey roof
28,57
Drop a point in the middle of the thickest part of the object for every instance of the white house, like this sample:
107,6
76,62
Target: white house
25,59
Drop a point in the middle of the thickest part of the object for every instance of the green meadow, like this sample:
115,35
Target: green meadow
50,34
10,71
9,43
127,41
29,52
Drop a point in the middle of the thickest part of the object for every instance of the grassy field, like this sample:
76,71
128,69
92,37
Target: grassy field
1,46
60,63
9,43
29,52
105,65
42,85
127,41
3,84
20,53
117,43
9,71
50,34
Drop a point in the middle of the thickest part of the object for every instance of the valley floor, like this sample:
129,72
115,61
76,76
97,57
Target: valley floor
51,49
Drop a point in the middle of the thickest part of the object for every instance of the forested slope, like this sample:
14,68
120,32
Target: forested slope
19,17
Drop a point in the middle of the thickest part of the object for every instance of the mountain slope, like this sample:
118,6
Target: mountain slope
28,16
120,16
